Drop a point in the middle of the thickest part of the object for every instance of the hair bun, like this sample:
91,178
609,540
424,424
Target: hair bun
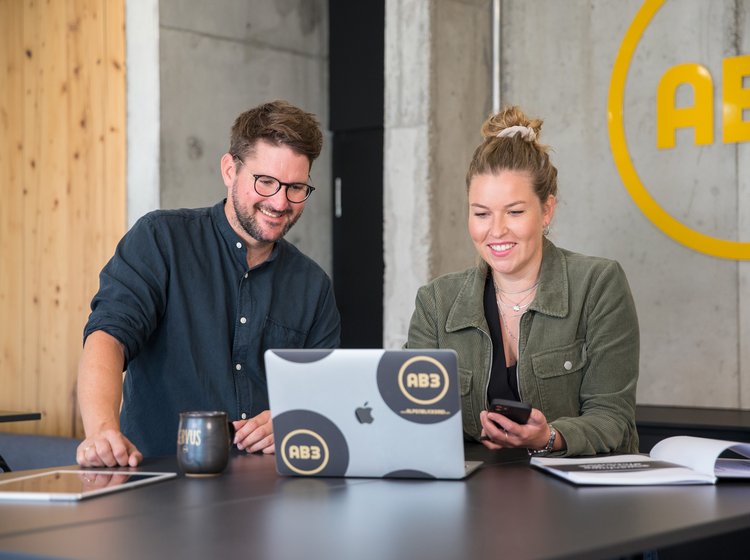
509,122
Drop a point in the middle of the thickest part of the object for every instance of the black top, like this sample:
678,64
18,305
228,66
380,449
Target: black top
503,381
195,321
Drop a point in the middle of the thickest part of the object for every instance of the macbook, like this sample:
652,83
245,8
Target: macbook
367,413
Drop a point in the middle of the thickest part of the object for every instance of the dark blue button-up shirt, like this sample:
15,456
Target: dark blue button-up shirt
195,321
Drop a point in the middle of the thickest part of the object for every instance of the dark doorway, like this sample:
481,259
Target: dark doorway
356,54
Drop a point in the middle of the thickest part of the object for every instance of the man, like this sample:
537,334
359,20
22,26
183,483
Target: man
192,298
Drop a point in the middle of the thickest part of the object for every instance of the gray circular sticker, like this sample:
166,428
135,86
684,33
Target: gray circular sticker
310,444
417,386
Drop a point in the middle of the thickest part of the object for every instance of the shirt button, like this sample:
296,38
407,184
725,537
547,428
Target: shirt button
238,367
247,274
239,245
568,365
243,320
244,415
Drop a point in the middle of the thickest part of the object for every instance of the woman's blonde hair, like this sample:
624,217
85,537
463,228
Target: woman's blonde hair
511,144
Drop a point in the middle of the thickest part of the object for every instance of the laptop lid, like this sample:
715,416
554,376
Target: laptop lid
366,413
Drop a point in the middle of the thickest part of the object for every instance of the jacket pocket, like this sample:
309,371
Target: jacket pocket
470,424
559,372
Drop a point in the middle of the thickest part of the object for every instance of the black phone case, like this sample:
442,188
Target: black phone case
515,410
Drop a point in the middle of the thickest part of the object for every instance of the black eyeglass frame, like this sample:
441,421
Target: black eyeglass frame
310,188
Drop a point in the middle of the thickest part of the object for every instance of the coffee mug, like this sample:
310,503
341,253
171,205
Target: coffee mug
203,442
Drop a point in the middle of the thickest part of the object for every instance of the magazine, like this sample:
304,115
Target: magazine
675,460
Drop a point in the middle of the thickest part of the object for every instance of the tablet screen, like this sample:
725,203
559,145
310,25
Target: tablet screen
74,485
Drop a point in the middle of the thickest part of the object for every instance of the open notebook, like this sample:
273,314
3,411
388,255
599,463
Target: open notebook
674,460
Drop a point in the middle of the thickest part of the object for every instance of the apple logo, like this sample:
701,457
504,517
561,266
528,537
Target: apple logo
364,414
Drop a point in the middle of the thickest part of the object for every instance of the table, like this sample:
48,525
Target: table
14,416
506,509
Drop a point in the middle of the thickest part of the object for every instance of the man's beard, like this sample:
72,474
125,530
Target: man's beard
250,224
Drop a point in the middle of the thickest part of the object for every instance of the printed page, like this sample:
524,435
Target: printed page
733,468
700,454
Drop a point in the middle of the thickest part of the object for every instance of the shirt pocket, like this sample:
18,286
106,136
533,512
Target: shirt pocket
278,336
559,373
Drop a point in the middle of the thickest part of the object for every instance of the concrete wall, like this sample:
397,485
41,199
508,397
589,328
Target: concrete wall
220,58
217,59
691,305
556,62
438,92
142,61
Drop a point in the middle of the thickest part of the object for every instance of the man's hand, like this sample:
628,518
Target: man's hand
108,448
255,434
99,396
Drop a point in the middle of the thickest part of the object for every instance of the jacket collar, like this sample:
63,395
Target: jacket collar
551,295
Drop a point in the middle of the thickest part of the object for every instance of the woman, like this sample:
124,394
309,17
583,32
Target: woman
531,321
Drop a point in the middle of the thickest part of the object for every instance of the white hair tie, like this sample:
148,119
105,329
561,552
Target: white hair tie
525,132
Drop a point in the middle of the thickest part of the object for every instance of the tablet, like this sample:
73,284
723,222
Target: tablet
73,485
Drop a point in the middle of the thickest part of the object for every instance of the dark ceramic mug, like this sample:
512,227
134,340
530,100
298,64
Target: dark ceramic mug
204,439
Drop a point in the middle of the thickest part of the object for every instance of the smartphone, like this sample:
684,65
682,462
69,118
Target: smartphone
515,410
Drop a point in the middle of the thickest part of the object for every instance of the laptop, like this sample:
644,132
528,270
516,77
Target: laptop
367,413
65,485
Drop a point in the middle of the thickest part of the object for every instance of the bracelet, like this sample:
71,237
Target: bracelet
547,448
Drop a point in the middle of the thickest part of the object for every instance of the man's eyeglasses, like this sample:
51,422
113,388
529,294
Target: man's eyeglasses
265,185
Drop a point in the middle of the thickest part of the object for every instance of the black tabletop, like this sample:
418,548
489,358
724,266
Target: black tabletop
506,509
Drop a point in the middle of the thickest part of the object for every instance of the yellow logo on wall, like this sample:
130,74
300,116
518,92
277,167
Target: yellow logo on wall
699,117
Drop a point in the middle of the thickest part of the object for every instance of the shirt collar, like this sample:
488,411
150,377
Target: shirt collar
236,244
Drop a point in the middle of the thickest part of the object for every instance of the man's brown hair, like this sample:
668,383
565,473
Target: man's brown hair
280,123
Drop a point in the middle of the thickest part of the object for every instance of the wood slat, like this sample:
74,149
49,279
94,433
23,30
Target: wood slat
86,126
52,251
63,108
27,382
11,209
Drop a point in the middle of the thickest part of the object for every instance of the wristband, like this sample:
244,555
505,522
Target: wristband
547,448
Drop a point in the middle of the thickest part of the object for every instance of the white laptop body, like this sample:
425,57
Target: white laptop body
367,413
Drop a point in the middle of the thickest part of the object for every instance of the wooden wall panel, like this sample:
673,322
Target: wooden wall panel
11,203
65,180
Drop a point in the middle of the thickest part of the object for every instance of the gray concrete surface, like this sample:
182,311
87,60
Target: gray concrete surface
556,62
218,59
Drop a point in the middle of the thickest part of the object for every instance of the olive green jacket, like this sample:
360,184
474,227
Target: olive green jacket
578,347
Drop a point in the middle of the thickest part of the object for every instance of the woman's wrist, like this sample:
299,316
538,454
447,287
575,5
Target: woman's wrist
549,445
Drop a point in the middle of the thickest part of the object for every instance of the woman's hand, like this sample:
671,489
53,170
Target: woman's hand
499,432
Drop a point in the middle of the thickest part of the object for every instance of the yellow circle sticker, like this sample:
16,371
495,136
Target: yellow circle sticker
434,382
305,458
722,248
